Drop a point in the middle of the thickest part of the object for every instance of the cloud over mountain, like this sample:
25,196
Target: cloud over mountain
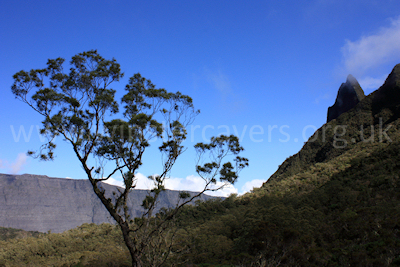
190,183
248,186
369,52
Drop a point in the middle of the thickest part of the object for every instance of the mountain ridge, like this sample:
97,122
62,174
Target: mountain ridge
41,203
368,119
334,203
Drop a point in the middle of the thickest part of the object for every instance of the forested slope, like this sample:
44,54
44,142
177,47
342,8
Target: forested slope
335,203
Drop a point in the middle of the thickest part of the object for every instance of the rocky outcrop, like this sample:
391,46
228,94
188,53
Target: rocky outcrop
376,112
349,95
389,93
386,100
41,203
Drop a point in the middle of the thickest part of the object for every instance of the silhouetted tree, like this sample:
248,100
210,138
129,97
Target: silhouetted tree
76,106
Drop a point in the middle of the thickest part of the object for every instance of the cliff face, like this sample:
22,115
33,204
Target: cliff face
349,95
40,203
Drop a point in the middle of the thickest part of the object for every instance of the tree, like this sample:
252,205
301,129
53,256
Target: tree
77,105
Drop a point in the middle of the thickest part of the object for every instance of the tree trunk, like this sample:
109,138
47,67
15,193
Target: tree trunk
136,262
135,256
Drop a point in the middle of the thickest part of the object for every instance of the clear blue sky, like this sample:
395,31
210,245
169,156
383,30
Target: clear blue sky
265,70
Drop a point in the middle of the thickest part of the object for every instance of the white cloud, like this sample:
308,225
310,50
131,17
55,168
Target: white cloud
196,183
16,166
19,163
190,183
372,83
220,82
113,181
248,186
142,182
372,51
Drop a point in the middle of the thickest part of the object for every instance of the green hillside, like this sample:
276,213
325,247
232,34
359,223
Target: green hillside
335,203
11,233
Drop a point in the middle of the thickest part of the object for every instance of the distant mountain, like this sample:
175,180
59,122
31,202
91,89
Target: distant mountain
40,203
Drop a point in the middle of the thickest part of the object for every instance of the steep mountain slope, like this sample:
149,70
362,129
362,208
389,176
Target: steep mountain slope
373,120
335,203
40,203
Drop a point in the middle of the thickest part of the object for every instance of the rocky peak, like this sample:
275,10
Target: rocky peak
349,95
389,93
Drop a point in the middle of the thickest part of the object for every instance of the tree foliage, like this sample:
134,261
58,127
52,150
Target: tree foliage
77,104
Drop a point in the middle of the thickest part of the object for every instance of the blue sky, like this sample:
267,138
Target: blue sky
266,71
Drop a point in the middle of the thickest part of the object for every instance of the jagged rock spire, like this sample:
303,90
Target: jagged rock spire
349,95
389,93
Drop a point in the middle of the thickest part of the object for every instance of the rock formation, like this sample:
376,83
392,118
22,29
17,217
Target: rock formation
389,92
349,95
41,203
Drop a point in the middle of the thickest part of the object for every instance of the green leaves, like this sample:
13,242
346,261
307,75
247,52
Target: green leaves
25,81
227,173
91,66
148,201
184,195
75,105
217,150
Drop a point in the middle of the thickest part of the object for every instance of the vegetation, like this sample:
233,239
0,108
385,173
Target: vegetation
335,203
350,218
11,233
83,246
76,106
